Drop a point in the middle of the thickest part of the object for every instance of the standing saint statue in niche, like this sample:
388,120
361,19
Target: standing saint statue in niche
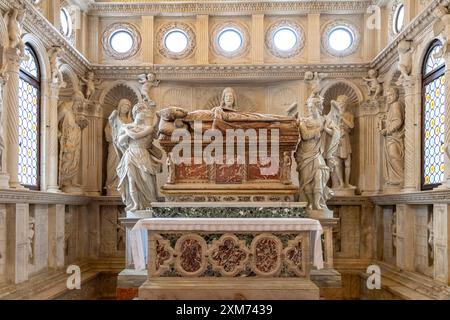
141,160
117,118
344,151
70,127
393,132
313,171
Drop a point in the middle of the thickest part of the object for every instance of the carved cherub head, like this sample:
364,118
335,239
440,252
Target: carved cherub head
309,75
151,76
90,75
372,73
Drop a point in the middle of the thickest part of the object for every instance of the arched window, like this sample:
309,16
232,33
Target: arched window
433,118
29,111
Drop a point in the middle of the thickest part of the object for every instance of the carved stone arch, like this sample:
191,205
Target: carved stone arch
420,53
114,92
333,89
72,83
41,53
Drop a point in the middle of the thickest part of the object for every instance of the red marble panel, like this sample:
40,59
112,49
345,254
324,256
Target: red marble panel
127,293
255,173
192,172
230,174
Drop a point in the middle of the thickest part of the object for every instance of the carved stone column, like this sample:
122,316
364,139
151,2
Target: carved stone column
12,116
412,141
52,156
4,177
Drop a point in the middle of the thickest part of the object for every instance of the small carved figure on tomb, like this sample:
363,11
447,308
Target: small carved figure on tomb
405,52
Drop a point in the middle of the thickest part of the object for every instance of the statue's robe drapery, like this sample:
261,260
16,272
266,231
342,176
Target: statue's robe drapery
310,161
137,171
394,145
70,150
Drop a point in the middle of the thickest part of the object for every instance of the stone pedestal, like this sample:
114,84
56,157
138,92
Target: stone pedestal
319,214
344,192
229,289
232,258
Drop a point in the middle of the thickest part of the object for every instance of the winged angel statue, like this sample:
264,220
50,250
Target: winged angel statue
315,154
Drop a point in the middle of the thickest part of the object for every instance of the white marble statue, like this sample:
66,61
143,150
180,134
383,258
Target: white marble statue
393,132
91,84
344,150
57,77
117,118
374,84
148,82
313,79
13,21
313,171
141,160
70,127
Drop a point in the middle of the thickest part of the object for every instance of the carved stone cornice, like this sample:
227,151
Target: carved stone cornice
419,197
19,196
387,57
183,7
230,72
36,24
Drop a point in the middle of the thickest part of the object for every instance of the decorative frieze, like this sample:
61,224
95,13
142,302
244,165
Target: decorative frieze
227,7
229,254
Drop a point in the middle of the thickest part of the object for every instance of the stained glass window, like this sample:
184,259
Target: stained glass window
433,118
29,102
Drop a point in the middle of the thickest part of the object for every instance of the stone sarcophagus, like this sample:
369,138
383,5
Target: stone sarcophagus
226,155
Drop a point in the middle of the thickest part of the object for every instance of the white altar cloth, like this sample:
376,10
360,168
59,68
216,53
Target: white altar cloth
140,231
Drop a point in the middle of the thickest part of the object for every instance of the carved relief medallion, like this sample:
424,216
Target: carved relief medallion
266,255
190,253
228,255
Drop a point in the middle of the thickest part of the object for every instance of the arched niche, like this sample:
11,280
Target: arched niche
330,92
112,94
72,83
335,89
